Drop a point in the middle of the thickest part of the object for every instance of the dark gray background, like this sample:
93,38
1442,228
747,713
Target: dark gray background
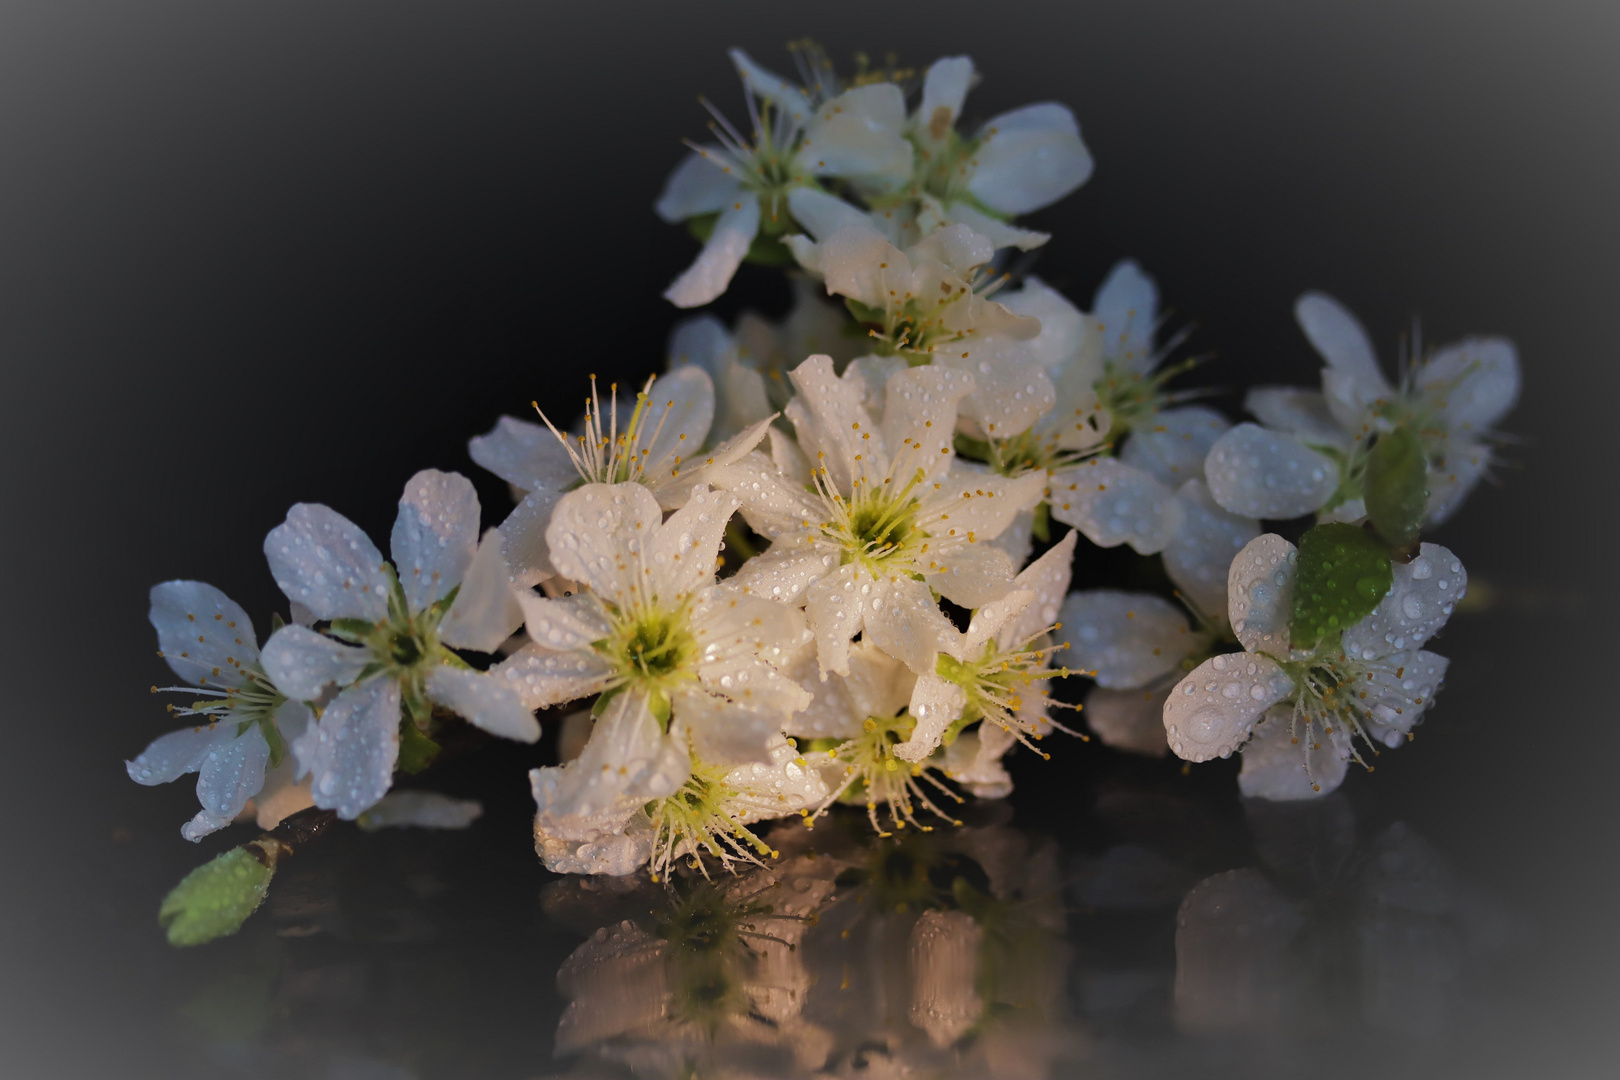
257,254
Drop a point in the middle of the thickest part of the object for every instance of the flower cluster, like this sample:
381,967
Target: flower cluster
828,559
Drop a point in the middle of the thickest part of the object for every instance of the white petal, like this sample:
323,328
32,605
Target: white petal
680,409
830,418
1473,383
421,810
988,622
1066,331
616,854
858,135
903,620
1299,412
700,184
569,623
1342,342
919,419
972,575
836,609
1276,767
1199,557
997,232
959,250
486,610
1424,594
822,214
976,506
1400,689
435,535
878,684
1260,594
857,262
204,635
1127,305
1018,538
772,504
1211,712
303,663
1030,158
322,560
945,87
784,784
1048,578
1268,474
785,572
523,539
1464,465
935,704
726,732
1011,391
352,749
483,701
1128,639
1114,503
171,756
785,96
598,534
627,757
527,456
974,761
728,244
683,551
232,772
541,677
1129,720
1174,444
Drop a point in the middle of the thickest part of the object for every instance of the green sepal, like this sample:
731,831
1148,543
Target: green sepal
1342,573
354,631
661,707
1041,527
272,736
416,750
215,899
442,605
276,622
977,449
604,698
865,313
956,728
1397,487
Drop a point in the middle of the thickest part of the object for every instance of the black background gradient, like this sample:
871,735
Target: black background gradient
260,253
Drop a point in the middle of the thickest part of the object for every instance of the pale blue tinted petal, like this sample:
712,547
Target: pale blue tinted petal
1128,639
1201,553
1258,473
204,635
1297,411
483,701
1472,384
724,251
1030,158
1342,342
232,772
527,456
1114,503
303,663
1127,305
1424,594
1260,594
703,183
322,560
1211,712
1173,444
175,754
350,752
486,610
1278,768
435,535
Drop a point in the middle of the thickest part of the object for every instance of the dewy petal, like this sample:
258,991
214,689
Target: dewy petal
1066,331
726,732
988,621
1129,720
1211,712
1029,158
1127,305
700,184
858,135
836,606
1174,444
1472,384
204,824
484,701
1260,594
1341,341
1201,553
435,535
232,772
523,538
1424,594
766,84
321,559
772,504
527,456
598,535
945,87
1128,639
1018,538
1114,503
303,663
1454,477
171,756
856,261
971,575
627,757
825,414
977,504
486,610
935,704
959,250
1268,474
680,407
728,244
785,572
783,784
1400,689
1299,412
919,418
569,623
904,621
1011,391
541,677
1276,767
1048,578
204,635
352,749
682,552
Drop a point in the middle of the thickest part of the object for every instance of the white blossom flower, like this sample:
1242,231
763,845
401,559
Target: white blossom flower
654,445
396,667
1312,454
244,720
995,671
746,180
1372,681
886,517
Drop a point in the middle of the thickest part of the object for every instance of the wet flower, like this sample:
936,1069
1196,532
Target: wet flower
243,721
387,642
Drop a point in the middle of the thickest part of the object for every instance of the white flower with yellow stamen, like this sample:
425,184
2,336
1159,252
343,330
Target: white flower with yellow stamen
996,671
867,513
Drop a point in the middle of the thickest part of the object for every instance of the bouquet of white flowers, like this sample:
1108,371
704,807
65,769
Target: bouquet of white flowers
817,561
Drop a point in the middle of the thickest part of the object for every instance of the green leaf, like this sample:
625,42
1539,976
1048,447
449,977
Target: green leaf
1397,487
216,898
1342,574
416,750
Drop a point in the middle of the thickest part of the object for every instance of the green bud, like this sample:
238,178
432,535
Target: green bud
216,898
1342,574
1397,487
